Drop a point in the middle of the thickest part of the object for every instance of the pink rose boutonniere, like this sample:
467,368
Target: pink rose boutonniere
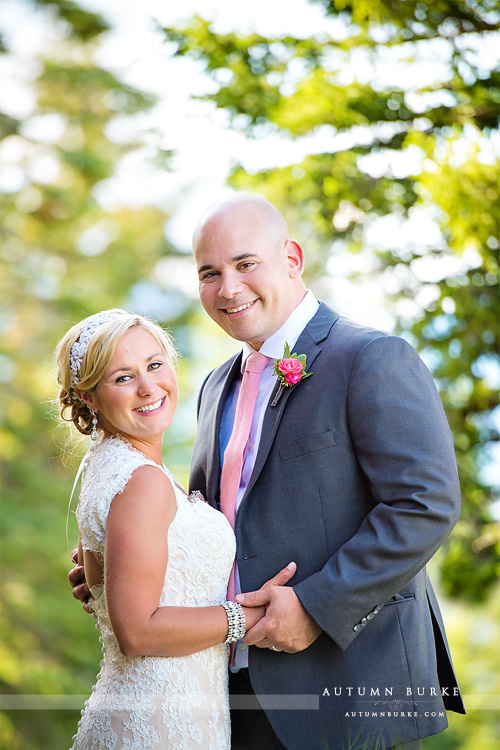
290,369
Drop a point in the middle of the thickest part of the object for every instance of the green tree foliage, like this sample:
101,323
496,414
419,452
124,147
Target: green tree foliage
62,256
445,123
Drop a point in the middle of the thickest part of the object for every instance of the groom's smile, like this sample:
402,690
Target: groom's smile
234,310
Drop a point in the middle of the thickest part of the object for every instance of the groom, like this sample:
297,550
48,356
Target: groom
350,473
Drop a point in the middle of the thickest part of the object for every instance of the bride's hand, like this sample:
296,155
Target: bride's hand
254,614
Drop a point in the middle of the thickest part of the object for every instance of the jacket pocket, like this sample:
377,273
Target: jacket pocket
306,445
398,598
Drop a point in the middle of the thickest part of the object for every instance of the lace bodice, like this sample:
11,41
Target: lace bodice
145,703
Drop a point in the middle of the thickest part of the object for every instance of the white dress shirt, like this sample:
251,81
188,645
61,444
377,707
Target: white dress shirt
273,348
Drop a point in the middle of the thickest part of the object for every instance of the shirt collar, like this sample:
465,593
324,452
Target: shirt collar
289,332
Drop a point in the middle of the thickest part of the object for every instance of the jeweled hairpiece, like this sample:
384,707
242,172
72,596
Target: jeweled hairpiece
87,330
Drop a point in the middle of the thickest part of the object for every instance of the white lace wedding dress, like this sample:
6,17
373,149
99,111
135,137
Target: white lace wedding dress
153,703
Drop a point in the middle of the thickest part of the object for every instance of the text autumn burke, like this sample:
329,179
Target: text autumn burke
377,692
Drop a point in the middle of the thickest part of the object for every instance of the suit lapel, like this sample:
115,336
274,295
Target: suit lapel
316,330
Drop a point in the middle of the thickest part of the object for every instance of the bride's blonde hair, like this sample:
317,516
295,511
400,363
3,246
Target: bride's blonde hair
96,358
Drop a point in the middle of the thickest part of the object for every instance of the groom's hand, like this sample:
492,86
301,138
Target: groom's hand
76,577
286,626
282,577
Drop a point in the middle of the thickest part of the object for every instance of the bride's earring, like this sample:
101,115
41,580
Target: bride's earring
93,434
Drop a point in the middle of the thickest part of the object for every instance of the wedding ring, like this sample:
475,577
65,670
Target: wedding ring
276,649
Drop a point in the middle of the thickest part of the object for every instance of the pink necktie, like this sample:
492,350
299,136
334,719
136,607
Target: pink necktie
235,451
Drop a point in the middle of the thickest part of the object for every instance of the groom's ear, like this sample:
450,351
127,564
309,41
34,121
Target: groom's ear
295,256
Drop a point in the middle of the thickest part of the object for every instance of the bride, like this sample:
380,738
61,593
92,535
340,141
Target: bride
157,561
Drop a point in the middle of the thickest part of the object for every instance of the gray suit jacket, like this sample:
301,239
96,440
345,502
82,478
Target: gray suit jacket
355,480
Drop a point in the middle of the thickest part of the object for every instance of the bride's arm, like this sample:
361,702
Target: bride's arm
136,558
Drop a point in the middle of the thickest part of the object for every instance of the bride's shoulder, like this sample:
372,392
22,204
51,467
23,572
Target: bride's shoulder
115,449
113,467
111,464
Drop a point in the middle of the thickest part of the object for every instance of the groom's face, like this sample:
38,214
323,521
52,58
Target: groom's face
249,275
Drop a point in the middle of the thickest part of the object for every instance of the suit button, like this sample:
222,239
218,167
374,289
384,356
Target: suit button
357,628
370,616
242,646
364,621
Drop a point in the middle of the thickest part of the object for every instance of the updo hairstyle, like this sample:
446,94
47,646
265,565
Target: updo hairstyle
98,355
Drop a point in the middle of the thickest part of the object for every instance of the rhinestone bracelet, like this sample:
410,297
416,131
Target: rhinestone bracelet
236,626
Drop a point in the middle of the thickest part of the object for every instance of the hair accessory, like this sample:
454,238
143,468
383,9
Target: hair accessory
87,330
93,434
236,626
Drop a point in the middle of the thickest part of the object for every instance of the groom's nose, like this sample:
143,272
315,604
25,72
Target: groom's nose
231,284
